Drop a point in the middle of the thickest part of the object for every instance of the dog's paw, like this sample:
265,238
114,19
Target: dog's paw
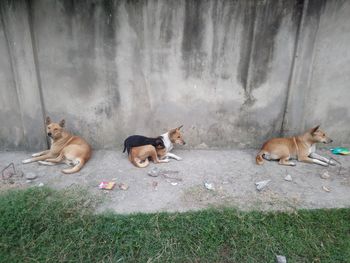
35,154
27,161
293,164
179,159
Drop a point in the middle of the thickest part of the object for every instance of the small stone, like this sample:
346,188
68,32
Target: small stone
31,176
288,178
262,184
325,175
209,186
281,259
29,181
325,188
123,187
154,172
173,184
40,184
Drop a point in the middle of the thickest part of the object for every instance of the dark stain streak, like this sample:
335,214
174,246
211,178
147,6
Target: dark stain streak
223,14
193,37
166,32
109,28
262,23
248,20
297,12
315,8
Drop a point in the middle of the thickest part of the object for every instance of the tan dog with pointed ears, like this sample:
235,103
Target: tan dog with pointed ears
65,147
174,136
302,148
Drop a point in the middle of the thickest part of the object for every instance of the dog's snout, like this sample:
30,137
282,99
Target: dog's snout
49,133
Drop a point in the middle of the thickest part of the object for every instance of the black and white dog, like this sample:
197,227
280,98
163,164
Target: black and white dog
168,139
139,140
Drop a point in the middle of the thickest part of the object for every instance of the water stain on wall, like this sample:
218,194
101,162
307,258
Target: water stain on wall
224,16
110,27
261,23
192,41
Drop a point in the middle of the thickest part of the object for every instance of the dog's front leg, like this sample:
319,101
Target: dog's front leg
36,159
321,158
40,153
174,156
310,160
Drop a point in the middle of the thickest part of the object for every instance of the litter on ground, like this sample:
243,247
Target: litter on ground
262,184
340,151
209,186
106,185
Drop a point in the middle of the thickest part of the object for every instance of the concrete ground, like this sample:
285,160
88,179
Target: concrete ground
232,174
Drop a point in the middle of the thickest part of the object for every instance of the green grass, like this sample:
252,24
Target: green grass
42,225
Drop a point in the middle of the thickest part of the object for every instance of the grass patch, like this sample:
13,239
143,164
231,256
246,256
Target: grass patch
42,225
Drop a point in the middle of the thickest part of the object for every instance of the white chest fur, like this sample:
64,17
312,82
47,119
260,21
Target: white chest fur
312,149
167,143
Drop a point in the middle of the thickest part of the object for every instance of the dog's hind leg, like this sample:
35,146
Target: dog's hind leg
40,153
36,159
52,161
79,163
155,158
285,161
46,163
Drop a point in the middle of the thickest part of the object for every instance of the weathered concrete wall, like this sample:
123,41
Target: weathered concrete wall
21,108
319,91
231,71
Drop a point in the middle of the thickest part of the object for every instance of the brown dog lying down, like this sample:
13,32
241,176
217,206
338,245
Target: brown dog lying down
139,156
302,148
65,147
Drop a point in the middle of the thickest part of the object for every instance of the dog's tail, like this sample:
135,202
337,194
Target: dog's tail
259,158
138,163
75,168
124,146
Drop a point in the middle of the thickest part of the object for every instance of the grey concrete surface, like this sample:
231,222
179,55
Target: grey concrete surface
233,72
233,174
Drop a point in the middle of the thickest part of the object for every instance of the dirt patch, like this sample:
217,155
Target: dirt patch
232,173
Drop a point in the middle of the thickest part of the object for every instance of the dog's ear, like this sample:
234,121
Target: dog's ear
314,129
48,120
62,122
172,131
178,128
